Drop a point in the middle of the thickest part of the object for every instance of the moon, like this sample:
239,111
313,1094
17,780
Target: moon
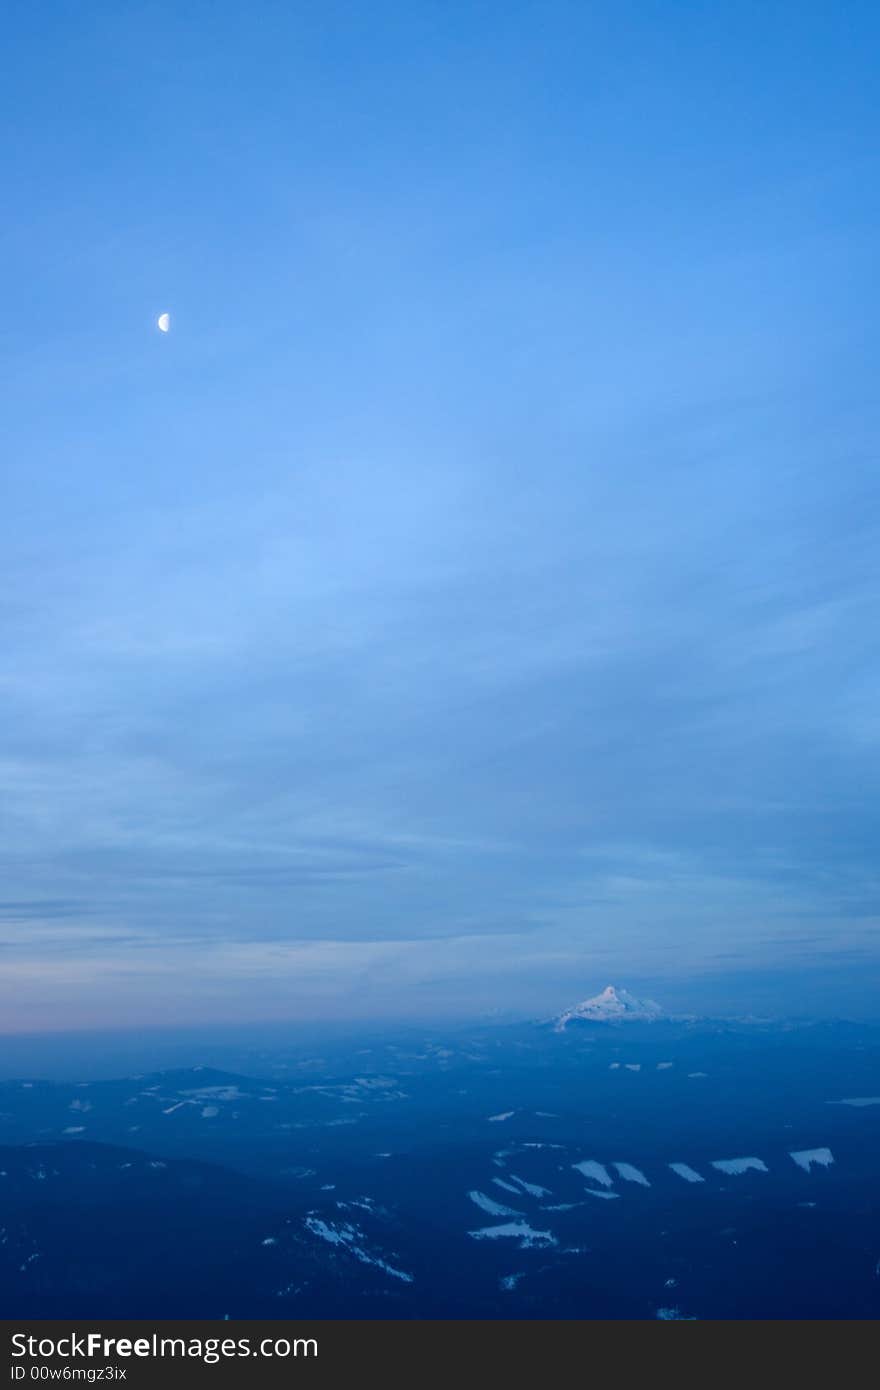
163,323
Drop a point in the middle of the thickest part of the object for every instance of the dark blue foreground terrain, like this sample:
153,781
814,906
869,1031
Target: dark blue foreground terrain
507,1172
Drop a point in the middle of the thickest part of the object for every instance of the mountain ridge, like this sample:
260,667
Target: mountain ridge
611,1005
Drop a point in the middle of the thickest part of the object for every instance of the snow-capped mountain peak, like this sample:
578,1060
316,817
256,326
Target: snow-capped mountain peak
611,1006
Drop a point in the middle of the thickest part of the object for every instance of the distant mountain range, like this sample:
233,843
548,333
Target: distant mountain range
611,1006
500,1172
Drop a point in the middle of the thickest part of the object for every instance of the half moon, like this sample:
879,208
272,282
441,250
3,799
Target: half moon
163,323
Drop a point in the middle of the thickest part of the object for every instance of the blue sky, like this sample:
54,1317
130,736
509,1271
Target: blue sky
474,597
